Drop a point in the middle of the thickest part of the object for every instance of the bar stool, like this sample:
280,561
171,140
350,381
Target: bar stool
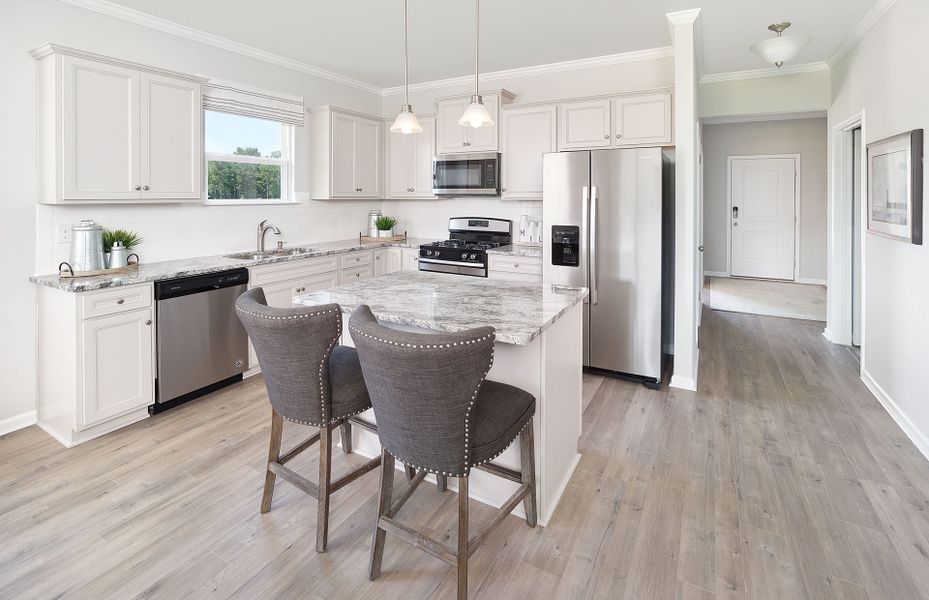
437,413
310,380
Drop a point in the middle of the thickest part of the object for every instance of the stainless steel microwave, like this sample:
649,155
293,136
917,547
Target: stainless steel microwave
474,174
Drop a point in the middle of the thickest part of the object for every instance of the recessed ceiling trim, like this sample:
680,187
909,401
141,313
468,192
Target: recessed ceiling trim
761,117
812,67
568,65
123,13
869,20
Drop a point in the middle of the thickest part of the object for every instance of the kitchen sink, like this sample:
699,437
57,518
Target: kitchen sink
297,251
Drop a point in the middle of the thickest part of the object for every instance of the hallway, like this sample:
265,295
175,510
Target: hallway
782,477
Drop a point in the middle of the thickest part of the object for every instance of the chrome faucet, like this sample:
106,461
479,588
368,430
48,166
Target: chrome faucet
263,228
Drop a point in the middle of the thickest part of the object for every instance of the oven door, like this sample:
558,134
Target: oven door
466,174
438,265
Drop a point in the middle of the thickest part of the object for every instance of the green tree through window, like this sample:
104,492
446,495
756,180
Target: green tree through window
228,180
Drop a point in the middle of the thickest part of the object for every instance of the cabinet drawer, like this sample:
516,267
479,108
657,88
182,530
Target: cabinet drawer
269,274
356,259
529,265
356,274
116,300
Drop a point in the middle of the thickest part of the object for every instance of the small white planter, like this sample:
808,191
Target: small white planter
385,233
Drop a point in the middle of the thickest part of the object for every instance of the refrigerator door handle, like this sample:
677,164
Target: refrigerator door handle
593,244
585,224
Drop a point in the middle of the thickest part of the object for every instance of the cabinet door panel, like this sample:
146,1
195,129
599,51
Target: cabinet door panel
640,120
485,139
400,168
423,151
367,158
410,259
584,124
527,133
343,156
450,136
170,140
118,370
100,137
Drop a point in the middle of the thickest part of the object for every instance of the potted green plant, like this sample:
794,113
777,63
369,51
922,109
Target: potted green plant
385,226
123,241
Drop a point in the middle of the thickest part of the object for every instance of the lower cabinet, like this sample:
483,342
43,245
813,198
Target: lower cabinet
515,268
387,260
409,259
97,360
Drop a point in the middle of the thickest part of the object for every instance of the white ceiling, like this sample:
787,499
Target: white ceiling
362,39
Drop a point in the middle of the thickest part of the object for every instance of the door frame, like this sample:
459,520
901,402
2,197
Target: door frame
838,328
796,159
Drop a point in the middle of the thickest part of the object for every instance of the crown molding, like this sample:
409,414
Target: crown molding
760,117
812,67
48,49
683,17
869,20
568,65
130,15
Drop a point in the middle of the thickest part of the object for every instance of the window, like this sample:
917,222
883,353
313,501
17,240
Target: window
248,160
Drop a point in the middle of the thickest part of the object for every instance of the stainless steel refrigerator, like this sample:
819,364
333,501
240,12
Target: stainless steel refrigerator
604,229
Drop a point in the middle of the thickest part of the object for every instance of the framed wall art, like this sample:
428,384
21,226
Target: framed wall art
895,187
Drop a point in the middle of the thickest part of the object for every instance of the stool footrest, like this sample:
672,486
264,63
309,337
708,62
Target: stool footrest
502,513
424,543
355,474
294,478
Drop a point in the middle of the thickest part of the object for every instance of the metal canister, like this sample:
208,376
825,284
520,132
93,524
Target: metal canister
119,256
86,246
372,222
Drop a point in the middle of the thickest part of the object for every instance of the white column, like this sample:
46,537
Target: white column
687,281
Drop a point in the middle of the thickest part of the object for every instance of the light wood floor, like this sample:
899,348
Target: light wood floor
781,478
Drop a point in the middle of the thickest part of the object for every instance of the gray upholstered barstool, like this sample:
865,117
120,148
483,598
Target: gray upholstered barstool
437,412
310,380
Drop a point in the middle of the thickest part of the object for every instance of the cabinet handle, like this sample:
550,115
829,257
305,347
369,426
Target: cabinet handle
148,321
137,188
119,301
145,187
357,274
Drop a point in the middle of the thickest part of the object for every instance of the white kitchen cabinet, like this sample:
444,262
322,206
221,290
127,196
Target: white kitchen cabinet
452,138
97,351
515,268
387,260
114,131
409,162
629,120
642,120
345,154
526,134
410,259
584,124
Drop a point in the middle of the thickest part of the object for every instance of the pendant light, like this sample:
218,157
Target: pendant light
406,122
476,115
782,48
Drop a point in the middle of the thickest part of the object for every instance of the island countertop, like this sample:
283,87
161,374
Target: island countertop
442,302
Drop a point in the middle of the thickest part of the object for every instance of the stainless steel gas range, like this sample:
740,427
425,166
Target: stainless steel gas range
465,251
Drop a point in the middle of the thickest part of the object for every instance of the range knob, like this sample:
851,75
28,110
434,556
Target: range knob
472,256
464,256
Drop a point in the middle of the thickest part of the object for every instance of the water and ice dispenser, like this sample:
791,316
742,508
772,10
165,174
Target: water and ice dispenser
566,245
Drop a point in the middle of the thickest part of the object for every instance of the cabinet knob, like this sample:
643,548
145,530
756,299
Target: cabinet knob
377,258
145,187
516,265
119,301
606,137
148,321
502,189
619,135
137,188
357,274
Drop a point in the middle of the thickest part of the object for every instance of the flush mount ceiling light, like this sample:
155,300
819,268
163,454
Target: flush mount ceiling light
782,48
476,115
406,122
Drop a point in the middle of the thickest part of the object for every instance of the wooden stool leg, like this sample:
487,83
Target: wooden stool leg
383,506
462,538
527,463
274,454
325,472
441,482
345,436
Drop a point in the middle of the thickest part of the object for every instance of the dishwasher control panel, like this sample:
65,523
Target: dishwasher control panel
182,286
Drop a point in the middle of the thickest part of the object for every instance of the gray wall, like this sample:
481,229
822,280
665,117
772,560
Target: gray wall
806,137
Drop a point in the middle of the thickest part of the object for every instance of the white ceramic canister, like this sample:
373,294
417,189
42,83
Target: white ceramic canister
86,246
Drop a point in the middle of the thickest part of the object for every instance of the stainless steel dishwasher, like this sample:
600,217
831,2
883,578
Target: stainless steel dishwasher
202,346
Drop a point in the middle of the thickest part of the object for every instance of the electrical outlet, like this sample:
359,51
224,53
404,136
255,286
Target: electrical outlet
63,234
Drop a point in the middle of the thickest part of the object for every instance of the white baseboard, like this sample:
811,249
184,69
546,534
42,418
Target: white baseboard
916,436
19,421
683,383
810,281
715,274
827,334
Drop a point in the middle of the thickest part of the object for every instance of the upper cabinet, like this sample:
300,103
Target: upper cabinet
345,154
526,134
409,162
452,138
623,121
109,130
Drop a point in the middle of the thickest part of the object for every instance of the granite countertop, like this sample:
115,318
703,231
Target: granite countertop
187,267
516,250
442,302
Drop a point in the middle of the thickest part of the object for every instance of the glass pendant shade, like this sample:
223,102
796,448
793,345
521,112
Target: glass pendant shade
780,49
476,115
406,122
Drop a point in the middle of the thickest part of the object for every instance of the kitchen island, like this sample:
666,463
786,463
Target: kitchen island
538,348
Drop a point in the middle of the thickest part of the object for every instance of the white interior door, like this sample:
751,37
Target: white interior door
762,217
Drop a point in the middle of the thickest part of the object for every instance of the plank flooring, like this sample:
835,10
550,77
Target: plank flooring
782,477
